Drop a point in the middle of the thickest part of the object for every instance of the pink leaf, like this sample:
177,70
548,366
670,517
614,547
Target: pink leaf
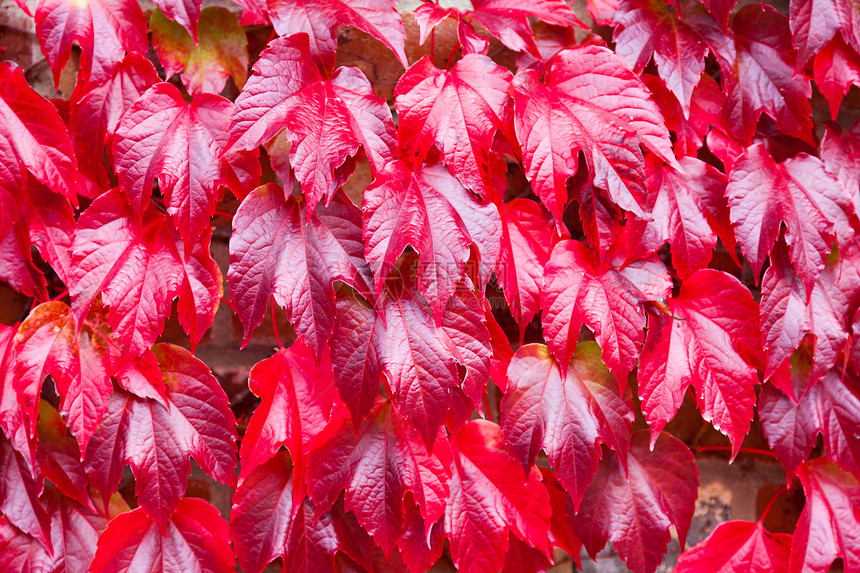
590,103
490,498
195,536
279,248
179,143
829,526
377,466
606,297
799,192
566,411
264,523
738,546
458,111
288,91
635,508
197,422
709,338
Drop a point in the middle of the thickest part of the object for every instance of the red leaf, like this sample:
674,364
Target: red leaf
601,219
59,457
19,496
566,413
377,466
837,68
634,509
590,103
418,358
20,552
253,12
288,91
33,138
687,207
354,542
430,15
813,24
458,111
721,9
679,40
138,268
358,352
75,531
841,155
741,546
431,212
185,13
264,523
602,11
763,79
709,339
528,236
490,498
16,263
241,171
197,422
12,414
464,325
104,29
830,407
799,192
508,21
706,109
320,18
829,526
521,556
80,356
222,50
45,220
561,532
142,377
277,248
788,314
606,297
94,115
51,223
12,181
193,539
297,397
549,40
201,290
416,550
179,143
855,342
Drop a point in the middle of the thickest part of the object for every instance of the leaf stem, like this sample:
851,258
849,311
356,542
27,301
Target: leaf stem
275,325
767,508
61,295
487,412
451,57
754,451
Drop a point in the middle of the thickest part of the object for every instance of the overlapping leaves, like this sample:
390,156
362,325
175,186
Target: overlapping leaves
401,423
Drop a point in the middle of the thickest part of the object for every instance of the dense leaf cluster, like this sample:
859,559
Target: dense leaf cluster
686,123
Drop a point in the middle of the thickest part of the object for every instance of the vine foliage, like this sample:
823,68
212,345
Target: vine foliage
572,219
